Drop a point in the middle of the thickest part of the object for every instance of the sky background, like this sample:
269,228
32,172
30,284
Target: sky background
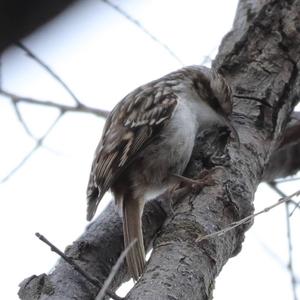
102,56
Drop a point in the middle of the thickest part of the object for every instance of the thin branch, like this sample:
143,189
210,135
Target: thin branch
297,205
16,99
22,121
49,70
273,185
287,180
62,107
114,271
247,219
271,253
34,149
28,131
142,28
290,250
76,267
290,265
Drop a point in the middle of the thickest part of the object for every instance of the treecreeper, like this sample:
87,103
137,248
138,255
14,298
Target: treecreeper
147,143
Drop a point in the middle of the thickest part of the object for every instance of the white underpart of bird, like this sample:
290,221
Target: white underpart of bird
148,137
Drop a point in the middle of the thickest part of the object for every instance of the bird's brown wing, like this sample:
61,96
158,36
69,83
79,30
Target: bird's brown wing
129,128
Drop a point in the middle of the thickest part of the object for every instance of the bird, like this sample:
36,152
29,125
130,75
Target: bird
147,142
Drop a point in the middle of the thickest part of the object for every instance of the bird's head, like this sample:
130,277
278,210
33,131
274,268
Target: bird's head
212,88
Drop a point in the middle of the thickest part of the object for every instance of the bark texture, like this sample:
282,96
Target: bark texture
260,59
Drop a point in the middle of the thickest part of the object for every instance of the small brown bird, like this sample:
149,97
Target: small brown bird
148,139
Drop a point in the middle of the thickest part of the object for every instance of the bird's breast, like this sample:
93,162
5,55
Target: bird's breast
169,153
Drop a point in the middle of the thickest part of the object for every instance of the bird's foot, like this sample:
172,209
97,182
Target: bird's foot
187,184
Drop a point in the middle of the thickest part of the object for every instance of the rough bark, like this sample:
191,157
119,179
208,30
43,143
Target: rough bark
260,59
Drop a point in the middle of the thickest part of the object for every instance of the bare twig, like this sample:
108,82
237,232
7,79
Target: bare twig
49,70
114,271
95,282
271,252
142,28
290,264
207,59
247,219
297,205
273,185
62,107
35,148
22,121
287,180
16,99
28,131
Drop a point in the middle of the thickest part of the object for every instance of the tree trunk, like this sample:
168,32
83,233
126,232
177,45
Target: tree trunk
259,57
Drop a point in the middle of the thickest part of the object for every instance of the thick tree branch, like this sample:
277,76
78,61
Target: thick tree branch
76,267
97,250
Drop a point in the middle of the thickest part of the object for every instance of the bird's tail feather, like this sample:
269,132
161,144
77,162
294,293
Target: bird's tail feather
93,200
132,229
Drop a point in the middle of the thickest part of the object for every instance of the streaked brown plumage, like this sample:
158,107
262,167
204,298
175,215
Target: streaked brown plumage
148,137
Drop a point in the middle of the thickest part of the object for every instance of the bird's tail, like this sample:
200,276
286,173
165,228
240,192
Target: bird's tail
132,230
93,199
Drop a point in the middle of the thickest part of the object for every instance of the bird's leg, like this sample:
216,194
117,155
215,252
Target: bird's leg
205,179
184,184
